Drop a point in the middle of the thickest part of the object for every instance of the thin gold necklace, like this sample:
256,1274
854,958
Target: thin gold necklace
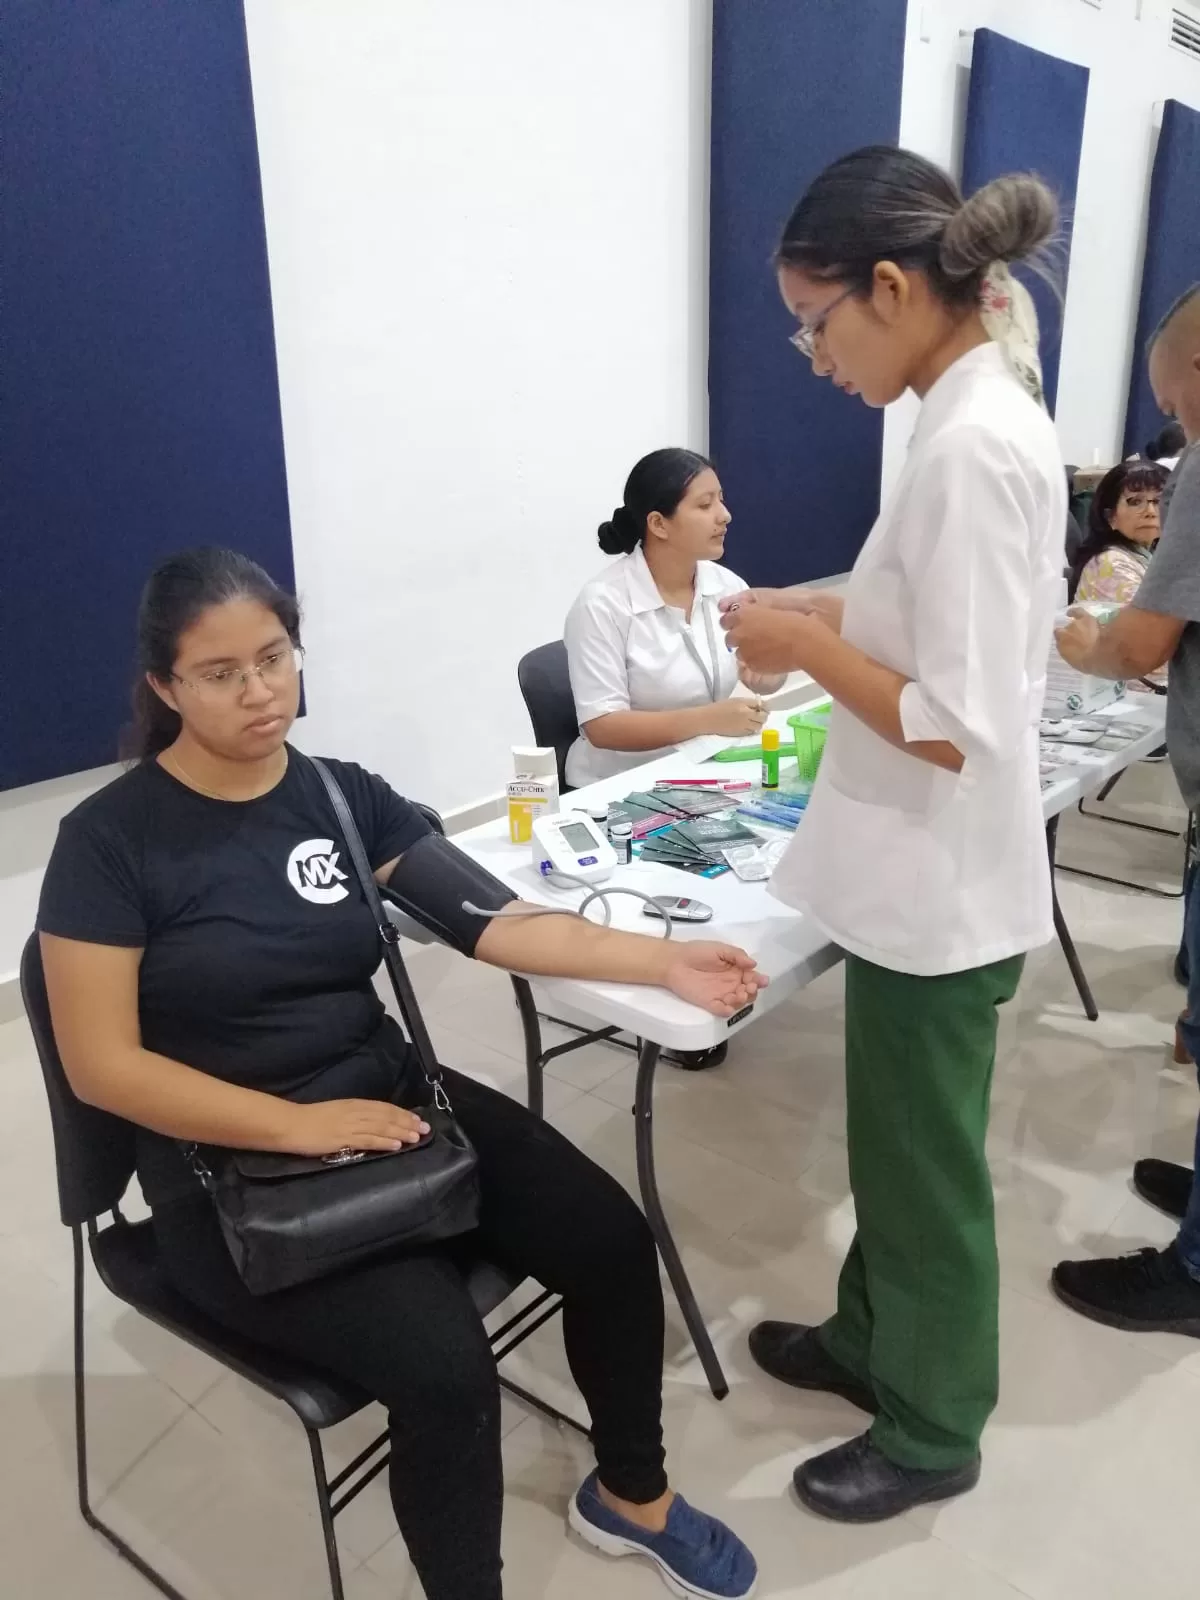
213,794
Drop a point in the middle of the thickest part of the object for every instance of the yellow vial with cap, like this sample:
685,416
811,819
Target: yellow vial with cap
770,758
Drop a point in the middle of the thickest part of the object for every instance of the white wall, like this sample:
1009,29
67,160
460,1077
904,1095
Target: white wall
486,227
1125,43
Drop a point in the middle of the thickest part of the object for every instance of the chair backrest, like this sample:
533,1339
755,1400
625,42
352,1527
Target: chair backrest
432,817
546,687
94,1152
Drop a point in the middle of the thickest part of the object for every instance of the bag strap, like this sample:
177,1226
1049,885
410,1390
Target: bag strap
389,934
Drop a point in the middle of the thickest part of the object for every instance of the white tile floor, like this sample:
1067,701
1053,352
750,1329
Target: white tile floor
1091,1463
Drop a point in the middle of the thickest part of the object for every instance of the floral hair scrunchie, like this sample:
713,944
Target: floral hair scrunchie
1010,317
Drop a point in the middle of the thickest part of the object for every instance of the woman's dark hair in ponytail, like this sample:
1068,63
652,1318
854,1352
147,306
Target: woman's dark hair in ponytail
658,483
176,595
884,204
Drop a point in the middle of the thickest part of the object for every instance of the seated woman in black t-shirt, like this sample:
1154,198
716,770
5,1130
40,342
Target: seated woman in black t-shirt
209,960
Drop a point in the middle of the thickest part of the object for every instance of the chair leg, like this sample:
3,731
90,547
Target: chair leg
81,1453
544,1407
326,1510
1139,827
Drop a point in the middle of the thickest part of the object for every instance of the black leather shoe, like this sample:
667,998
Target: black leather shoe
857,1483
792,1352
1164,1184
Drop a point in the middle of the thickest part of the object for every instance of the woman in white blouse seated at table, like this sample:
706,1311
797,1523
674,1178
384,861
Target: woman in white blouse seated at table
648,661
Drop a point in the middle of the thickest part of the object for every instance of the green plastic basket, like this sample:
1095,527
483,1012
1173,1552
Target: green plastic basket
810,729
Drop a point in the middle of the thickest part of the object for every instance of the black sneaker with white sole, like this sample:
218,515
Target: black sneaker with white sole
1150,1291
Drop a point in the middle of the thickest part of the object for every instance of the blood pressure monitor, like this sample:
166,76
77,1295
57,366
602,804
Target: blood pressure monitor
573,844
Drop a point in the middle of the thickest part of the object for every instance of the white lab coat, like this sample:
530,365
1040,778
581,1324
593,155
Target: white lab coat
898,861
628,651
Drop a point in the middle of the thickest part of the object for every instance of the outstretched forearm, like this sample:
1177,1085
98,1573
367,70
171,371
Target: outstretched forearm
567,946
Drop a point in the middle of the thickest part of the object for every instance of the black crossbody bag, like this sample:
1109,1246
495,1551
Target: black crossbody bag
289,1219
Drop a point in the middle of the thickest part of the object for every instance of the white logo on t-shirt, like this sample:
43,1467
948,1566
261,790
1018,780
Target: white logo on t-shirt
314,873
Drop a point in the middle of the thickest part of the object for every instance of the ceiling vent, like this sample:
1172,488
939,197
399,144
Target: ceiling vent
1185,32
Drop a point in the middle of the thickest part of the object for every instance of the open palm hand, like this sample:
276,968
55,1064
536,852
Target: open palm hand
719,978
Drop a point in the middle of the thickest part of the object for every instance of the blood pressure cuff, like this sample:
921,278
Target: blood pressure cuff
431,881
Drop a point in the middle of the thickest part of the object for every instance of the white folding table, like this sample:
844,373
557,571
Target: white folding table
785,944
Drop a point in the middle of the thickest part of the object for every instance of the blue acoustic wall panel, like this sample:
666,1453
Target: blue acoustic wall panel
795,84
1172,254
1025,113
139,403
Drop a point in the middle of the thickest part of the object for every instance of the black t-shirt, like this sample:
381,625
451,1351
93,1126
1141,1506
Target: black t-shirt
259,949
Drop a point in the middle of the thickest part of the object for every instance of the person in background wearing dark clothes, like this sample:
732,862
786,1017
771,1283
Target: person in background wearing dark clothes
1166,450
1167,447
209,964
1159,1290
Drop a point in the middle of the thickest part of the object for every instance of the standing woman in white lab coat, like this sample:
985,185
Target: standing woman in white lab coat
923,850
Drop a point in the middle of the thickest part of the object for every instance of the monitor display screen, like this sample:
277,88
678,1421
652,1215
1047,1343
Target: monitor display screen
578,837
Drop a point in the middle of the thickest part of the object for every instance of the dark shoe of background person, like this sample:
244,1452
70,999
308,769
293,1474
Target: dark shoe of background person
697,1060
1165,1184
856,1482
1181,1054
792,1352
1150,1291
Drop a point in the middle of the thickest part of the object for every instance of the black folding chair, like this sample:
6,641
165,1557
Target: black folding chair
545,685
1187,834
94,1157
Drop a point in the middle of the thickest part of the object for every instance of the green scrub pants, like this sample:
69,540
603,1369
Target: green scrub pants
918,1298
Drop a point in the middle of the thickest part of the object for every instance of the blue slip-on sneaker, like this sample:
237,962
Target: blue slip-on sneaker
696,1554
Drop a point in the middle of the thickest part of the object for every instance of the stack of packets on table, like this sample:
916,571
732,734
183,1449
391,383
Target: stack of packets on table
699,830
1081,742
1072,694
661,806
696,844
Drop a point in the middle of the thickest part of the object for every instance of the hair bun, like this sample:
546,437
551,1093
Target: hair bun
620,535
1007,220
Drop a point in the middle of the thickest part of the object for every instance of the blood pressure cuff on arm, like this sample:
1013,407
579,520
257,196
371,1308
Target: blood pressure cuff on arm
431,881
